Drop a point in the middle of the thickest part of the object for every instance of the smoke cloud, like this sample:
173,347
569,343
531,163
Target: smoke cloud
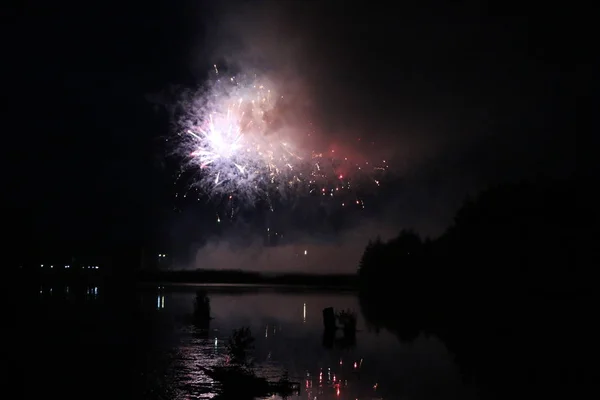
314,254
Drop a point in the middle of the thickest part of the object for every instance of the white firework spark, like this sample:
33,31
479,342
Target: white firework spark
230,136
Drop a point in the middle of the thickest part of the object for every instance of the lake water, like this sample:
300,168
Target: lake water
141,343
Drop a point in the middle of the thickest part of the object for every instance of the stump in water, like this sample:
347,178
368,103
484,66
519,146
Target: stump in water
329,319
202,310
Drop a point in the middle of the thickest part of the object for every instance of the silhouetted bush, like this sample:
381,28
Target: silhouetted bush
347,319
239,346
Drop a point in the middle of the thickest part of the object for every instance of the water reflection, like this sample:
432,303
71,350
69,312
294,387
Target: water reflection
336,369
92,292
304,313
67,292
342,379
160,299
170,339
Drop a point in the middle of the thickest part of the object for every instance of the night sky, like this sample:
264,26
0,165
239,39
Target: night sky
455,95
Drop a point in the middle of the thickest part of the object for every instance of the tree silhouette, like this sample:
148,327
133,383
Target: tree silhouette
514,234
474,284
393,261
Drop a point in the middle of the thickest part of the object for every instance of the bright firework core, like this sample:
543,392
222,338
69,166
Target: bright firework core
232,143
234,137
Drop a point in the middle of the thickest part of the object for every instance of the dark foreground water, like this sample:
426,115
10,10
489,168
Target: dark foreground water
88,342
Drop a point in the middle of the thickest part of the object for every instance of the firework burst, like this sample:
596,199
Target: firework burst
231,138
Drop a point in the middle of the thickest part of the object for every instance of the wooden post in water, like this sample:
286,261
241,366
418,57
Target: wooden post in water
329,319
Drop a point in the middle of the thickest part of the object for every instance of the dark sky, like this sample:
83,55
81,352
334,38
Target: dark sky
458,95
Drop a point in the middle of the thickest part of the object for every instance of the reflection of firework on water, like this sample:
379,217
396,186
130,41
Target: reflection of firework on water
232,138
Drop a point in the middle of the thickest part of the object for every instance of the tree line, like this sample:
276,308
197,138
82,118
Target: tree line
508,236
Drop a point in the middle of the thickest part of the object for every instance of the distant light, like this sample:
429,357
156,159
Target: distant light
52,266
305,252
